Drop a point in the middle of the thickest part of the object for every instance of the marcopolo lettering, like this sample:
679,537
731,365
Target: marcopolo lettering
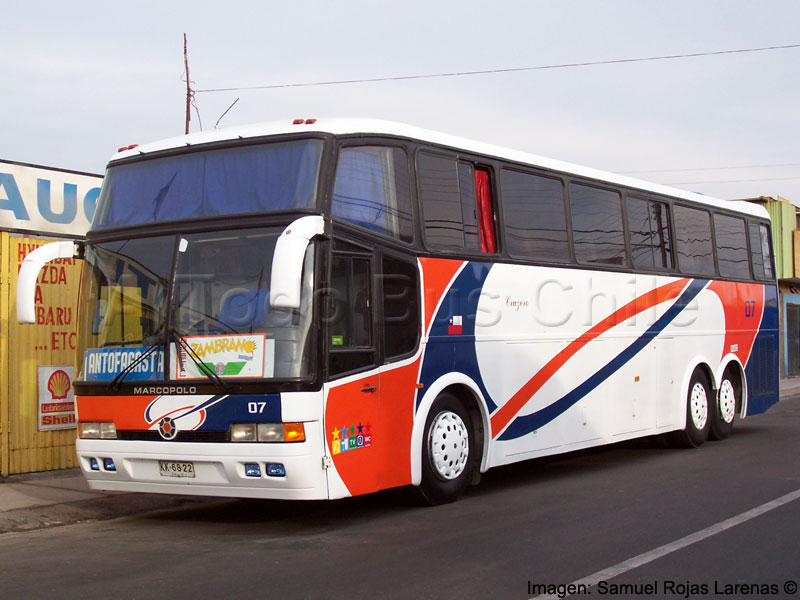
165,390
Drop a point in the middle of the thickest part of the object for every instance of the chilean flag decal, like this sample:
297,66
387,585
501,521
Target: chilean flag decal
455,327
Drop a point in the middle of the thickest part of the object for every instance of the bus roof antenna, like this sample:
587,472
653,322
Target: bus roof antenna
189,90
225,113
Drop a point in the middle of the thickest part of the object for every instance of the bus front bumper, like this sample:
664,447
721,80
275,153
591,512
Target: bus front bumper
288,471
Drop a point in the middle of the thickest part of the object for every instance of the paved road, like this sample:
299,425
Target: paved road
540,523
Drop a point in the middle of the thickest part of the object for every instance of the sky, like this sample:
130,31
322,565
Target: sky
80,79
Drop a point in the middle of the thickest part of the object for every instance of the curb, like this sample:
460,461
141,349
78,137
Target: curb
92,509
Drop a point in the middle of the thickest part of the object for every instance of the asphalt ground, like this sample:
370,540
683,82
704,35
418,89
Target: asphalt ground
53,498
719,522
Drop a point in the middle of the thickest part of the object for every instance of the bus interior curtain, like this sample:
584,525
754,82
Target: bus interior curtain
252,179
485,211
359,194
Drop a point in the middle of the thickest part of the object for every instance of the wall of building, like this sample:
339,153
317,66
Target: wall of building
37,414
784,225
37,363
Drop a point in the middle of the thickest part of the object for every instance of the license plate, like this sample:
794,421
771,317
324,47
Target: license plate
175,469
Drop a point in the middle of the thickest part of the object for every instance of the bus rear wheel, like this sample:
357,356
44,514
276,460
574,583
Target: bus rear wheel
447,451
723,412
698,407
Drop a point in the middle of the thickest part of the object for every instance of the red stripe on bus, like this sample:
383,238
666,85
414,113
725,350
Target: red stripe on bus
743,304
509,410
437,275
127,412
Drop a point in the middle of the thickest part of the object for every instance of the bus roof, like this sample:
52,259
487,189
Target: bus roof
341,126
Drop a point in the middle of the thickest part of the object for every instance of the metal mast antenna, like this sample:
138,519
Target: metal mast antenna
189,90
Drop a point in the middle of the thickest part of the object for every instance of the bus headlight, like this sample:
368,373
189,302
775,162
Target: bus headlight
268,432
91,430
243,432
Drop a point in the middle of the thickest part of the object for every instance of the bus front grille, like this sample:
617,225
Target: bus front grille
183,436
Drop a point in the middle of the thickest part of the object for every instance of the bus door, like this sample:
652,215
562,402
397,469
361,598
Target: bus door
373,328
353,387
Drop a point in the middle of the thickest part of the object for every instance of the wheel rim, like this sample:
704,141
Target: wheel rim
727,401
449,445
698,406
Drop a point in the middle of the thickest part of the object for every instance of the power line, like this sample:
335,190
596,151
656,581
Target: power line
509,70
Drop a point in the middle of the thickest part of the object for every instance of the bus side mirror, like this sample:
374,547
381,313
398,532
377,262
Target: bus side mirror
287,262
29,273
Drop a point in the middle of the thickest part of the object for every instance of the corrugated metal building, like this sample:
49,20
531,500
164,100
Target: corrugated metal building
37,415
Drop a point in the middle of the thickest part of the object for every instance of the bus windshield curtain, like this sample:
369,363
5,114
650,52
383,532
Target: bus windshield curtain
484,197
249,179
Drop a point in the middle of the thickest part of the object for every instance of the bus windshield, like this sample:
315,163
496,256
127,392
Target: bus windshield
203,296
260,179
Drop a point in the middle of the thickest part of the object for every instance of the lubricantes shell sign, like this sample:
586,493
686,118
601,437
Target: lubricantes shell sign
56,398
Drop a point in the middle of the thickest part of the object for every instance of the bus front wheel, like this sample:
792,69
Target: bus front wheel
447,451
699,405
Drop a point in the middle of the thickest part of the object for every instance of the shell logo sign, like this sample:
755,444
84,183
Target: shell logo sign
56,398
59,385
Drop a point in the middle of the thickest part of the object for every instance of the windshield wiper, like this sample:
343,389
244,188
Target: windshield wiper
201,366
117,381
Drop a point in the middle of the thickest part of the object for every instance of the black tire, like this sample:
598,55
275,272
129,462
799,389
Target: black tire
448,450
723,410
699,402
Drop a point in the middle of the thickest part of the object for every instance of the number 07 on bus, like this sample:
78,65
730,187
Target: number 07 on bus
326,308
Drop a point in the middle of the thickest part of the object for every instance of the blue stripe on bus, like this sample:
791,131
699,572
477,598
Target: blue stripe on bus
528,423
447,353
762,367
247,408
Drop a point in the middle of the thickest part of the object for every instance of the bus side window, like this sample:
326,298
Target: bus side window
457,205
755,250
372,190
731,246
694,244
649,227
469,206
766,252
597,229
534,217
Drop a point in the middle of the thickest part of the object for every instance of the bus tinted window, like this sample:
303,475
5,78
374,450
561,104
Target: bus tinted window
400,307
755,250
766,251
441,201
597,225
535,220
731,239
469,206
372,190
232,181
649,227
693,239
449,202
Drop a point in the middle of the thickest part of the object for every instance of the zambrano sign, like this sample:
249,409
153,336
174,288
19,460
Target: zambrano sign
45,200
